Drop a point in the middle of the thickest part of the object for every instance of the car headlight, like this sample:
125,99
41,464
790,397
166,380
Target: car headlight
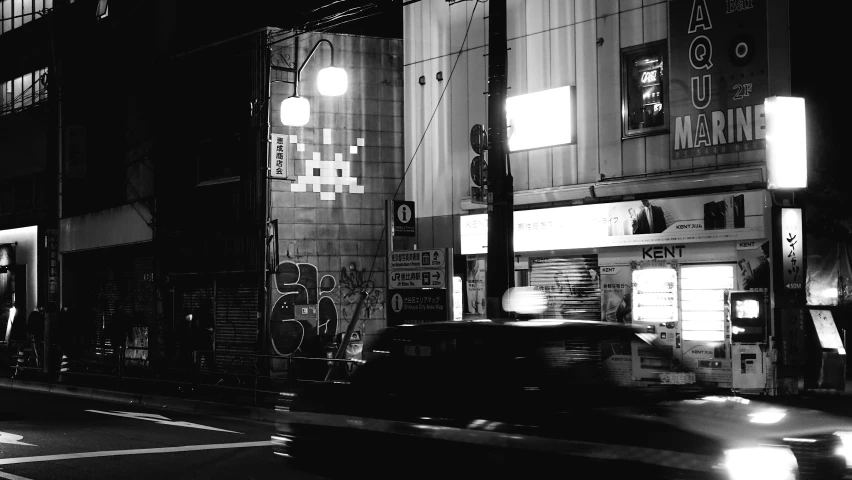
761,463
846,449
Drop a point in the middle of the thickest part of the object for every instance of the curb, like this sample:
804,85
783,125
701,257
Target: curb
153,401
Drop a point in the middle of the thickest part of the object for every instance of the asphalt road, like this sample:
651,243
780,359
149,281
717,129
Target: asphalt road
47,437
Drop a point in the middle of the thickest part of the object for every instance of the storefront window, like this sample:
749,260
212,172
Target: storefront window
644,89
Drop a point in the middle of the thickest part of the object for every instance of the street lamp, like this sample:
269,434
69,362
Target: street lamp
331,81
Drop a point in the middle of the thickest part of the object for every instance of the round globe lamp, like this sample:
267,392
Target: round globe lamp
295,111
332,81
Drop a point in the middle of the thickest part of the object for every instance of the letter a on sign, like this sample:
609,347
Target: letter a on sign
700,17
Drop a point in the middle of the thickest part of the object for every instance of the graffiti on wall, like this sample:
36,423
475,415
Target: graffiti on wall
353,281
305,309
333,174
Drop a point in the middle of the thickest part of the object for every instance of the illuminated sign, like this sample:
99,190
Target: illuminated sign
791,249
662,227
649,77
540,119
786,146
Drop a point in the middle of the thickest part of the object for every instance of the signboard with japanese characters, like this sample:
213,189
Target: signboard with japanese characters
278,156
416,259
417,279
52,265
792,256
416,306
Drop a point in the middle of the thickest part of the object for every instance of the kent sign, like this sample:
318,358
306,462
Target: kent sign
718,76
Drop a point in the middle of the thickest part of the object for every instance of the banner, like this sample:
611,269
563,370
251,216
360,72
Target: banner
646,222
718,76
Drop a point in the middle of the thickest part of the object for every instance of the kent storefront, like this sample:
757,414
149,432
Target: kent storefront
674,265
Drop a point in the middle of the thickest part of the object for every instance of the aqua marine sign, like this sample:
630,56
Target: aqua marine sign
718,76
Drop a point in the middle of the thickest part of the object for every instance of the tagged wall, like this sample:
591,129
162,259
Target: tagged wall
328,193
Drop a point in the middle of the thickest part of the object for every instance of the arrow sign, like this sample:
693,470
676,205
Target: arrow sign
12,439
417,279
151,417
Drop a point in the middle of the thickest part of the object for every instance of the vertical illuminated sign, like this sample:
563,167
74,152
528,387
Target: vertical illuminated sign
792,255
786,145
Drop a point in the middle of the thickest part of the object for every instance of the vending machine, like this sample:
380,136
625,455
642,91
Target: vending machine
655,308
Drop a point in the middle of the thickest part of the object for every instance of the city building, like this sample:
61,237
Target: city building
637,133
140,146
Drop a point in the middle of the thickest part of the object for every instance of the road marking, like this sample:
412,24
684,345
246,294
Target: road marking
11,476
12,439
151,417
140,451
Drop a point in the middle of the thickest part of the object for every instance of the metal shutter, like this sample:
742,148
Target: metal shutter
571,285
236,322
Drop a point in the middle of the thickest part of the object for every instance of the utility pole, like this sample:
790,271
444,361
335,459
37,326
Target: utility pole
500,275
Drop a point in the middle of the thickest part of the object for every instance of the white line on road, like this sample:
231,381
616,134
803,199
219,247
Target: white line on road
11,476
153,417
140,451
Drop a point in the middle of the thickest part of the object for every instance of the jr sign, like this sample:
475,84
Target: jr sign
718,77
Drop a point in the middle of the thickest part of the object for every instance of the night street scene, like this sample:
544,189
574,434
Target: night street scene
424,239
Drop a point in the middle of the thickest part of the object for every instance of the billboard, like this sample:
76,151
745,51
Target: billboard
718,76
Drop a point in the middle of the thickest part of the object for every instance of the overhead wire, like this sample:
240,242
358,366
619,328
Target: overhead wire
425,131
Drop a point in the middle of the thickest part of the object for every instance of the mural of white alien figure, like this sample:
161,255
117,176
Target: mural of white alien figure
303,311
334,174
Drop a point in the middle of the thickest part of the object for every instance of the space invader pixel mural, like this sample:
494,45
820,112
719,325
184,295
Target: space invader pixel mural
334,173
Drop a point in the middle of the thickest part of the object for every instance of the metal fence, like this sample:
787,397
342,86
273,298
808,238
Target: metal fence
235,375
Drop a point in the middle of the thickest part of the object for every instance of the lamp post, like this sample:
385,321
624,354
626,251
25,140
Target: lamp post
331,81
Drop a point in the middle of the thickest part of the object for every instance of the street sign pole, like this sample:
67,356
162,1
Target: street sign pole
448,274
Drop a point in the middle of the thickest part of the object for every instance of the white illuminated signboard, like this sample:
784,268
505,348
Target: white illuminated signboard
786,145
540,119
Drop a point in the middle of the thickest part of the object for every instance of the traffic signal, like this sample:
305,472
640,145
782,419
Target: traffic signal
479,165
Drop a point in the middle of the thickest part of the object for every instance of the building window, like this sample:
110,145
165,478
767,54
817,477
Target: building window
24,91
15,13
644,92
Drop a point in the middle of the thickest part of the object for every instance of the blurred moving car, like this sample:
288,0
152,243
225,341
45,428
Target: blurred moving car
532,399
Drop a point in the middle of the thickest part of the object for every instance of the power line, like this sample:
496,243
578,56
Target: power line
426,130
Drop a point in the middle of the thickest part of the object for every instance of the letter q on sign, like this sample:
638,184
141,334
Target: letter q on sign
701,53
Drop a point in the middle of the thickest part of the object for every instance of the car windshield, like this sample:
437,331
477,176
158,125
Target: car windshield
566,363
